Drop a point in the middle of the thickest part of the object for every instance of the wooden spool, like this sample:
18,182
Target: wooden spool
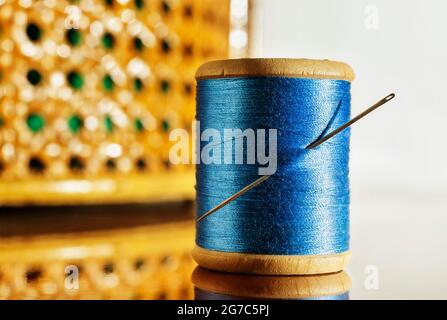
262,263
271,287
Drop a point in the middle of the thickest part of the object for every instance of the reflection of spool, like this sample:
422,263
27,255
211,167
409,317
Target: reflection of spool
303,99
212,285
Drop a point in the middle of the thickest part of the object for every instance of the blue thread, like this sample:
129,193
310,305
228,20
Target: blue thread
303,209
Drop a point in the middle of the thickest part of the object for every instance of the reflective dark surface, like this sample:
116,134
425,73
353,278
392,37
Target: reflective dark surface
378,269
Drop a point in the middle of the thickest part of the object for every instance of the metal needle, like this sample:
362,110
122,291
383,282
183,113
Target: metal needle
311,146
352,121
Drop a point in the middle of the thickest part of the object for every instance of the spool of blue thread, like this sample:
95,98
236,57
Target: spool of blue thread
297,222
213,285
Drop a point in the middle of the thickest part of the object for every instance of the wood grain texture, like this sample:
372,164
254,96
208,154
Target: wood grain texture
266,67
271,287
270,264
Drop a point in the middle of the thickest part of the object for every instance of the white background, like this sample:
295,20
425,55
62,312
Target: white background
399,153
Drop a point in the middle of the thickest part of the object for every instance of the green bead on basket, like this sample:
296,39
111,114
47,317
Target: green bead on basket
34,77
138,85
35,122
165,125
108,40
108,124
33,32
139,4
138,124
138,44
107,83
165,86
2,122
74,37
75,124
75,80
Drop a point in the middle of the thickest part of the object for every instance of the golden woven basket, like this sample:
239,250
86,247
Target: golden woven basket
89,91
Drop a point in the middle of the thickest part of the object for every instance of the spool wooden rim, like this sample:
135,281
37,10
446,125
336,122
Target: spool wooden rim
273,287
269,67
263,264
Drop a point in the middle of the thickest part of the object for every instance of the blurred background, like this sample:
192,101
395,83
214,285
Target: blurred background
89,90
90,206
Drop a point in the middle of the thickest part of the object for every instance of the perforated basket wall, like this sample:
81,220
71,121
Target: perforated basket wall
89,90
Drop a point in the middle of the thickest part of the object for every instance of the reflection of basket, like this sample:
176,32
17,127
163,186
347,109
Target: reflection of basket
142,260
89,91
